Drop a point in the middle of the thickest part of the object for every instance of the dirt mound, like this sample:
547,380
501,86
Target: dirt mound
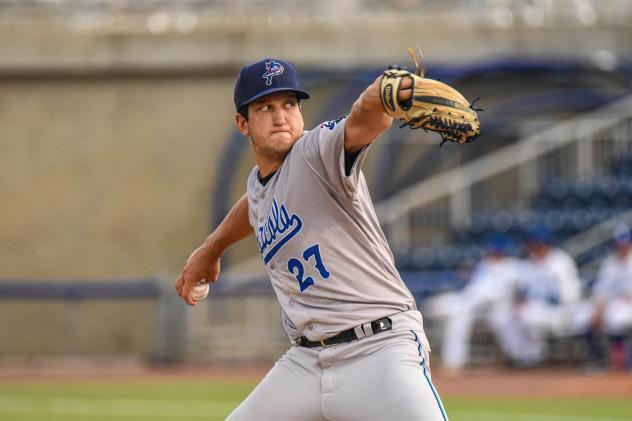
545,382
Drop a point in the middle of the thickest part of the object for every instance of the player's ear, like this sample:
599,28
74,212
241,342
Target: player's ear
242,124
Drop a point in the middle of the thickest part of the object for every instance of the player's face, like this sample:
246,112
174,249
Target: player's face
274,123
623,250
538,250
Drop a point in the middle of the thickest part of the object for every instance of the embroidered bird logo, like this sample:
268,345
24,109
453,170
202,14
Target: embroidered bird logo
273,68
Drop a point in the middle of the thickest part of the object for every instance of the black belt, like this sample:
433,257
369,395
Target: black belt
377,326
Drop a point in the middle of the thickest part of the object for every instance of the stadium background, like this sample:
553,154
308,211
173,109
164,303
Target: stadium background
118,155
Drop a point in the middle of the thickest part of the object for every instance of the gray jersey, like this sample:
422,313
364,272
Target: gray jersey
320,240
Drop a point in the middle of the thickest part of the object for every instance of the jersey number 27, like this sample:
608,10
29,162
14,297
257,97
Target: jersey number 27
296,268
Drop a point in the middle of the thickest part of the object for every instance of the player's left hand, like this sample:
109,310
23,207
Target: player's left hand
202,264
405,90
404,93
428,104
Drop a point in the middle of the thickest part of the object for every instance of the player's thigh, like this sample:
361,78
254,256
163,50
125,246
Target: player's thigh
540,316
618,317
290,391
392,383
444,304
582,317
500,318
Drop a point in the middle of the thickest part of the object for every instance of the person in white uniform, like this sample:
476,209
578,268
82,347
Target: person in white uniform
491,284
359,349
547,295
609,309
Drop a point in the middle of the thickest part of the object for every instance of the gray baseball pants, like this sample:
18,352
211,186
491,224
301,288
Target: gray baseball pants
382,377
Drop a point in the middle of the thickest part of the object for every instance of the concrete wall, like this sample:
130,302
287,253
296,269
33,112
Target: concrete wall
53,328
107,178
333,37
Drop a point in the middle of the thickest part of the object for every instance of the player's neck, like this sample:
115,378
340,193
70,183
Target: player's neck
268,160
266,167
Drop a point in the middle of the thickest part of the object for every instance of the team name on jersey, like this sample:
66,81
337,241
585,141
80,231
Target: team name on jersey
277,230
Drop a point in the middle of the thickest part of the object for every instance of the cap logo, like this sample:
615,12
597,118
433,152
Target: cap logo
273,68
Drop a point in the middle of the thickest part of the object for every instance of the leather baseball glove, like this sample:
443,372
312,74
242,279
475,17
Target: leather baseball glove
433,106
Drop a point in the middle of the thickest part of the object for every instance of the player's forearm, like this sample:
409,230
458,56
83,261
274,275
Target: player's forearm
367,119
232,229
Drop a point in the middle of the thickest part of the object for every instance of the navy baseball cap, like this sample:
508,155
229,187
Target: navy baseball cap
540,234
265,77
497,243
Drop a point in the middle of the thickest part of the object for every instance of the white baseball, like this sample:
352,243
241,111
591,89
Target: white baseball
200,291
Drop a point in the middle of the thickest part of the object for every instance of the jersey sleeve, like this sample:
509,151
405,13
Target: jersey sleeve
250,191
323,150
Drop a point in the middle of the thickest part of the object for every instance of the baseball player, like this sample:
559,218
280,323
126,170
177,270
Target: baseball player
548,293
359,349
491,285
609,309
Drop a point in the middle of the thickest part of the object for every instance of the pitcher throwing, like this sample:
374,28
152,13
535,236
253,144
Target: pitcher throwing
358,351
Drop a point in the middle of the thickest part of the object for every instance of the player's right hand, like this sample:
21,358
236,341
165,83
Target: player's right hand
202,264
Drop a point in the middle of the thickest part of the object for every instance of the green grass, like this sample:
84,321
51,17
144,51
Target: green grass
129,400
532,409
184,399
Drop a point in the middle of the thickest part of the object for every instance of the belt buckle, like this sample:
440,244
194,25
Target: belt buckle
323,344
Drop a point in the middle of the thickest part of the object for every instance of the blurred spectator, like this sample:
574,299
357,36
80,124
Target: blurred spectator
609,309
543,304
491,283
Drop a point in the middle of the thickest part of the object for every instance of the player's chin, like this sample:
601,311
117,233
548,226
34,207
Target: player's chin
276,150
281,141
281,138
